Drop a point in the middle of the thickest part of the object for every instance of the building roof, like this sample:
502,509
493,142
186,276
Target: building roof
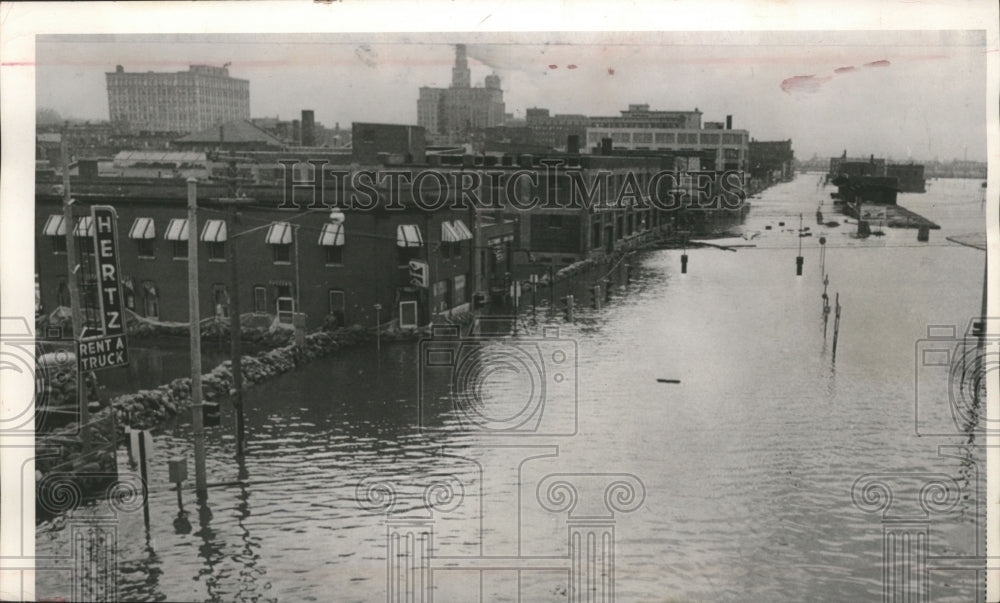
235,132
131,158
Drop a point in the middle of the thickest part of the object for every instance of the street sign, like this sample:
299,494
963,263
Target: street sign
109,276
102,353
419,273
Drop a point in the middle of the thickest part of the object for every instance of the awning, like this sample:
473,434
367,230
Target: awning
408,235
463,231
142,228
55,226
332,235
214,231
280,233
84,227
177,230
449,234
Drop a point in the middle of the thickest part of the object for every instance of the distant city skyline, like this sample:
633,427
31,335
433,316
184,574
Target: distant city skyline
901,95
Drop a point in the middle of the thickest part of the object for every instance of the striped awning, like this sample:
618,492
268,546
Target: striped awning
142,228
332,235
177,230
84,227
449,234
55,226
463,231
408,235
280,233
214,231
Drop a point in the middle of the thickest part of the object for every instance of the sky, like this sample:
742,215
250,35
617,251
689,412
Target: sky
901,95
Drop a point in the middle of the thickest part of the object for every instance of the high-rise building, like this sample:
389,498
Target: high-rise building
180,102
448,114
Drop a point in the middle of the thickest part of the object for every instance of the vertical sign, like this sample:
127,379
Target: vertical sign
108,276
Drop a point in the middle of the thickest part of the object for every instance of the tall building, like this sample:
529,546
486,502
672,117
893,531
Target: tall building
449,114
181,102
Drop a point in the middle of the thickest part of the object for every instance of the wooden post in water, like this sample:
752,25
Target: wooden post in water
836,326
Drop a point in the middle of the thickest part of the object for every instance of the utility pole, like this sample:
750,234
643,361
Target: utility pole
194,316
235,336
74,292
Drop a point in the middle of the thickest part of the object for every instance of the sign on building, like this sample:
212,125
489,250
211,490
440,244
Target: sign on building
419,273
102,352
110,348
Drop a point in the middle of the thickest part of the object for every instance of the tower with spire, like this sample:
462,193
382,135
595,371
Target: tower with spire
461,77
460,112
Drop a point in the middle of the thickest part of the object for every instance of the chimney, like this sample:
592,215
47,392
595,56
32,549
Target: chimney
606,146
573,144
296,132
222,134
729,122
308,128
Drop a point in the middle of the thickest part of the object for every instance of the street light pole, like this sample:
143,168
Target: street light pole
197,424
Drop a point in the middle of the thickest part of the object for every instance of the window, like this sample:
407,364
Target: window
282,254
180,250
177,234
216,252
555,221
260,299
595,233
334,255
337,305
143,232
145,249
279,237
55,229
408,314
405,254
332,241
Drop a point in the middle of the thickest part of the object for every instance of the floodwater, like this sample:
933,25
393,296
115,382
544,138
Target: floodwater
736,482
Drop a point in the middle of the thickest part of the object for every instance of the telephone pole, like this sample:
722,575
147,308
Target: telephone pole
74,292
197,419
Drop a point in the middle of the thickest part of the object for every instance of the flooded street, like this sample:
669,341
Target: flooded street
737,481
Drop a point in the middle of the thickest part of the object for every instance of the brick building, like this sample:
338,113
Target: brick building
290,259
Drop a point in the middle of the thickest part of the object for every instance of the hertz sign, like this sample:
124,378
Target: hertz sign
110,350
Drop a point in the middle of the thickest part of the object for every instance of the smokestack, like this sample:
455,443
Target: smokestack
296,132
573,144
308,128
729,122
606,146
222,134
